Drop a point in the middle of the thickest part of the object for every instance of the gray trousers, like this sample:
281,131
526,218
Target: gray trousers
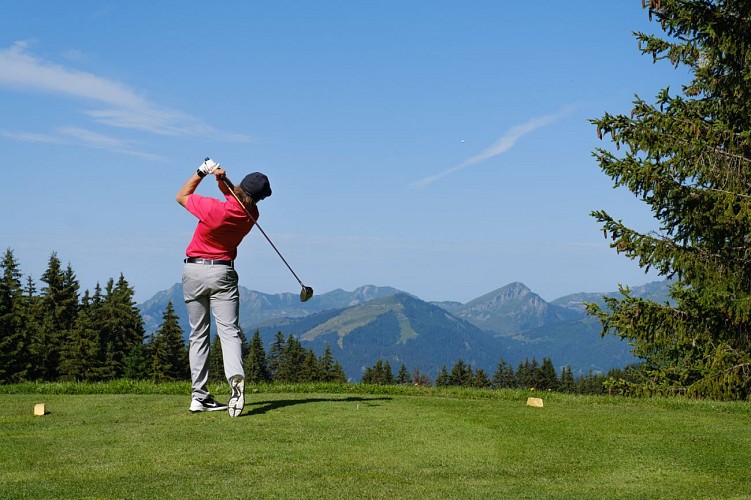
212,289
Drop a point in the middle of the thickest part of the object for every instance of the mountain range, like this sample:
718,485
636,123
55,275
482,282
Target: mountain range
511,323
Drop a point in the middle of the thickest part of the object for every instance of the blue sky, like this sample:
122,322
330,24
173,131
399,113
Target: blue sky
439,147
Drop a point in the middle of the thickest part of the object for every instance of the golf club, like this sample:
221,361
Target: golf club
307,292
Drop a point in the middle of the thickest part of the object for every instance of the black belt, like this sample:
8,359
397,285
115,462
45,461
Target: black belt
209,262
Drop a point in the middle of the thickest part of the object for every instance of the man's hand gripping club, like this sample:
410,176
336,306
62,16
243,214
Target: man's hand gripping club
207,167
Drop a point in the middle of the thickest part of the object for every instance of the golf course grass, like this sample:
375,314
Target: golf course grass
359,442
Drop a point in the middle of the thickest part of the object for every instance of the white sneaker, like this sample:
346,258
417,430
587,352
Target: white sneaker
206,404
237,400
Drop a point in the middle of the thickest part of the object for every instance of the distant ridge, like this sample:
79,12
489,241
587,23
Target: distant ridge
512,309
400,329
373,322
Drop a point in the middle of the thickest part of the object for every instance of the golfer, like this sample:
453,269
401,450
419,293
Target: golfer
210,280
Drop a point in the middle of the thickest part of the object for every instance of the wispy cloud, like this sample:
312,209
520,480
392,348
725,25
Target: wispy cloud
101,141
502,145
32,137
119,105
80,136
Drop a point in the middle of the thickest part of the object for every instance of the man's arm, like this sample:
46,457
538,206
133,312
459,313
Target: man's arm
188,189
207,167
219,173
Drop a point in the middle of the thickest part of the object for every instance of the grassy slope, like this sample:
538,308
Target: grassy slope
389,444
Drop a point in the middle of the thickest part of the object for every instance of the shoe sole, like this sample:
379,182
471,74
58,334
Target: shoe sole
221,408
237,401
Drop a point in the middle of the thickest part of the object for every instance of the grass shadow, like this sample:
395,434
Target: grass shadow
262,407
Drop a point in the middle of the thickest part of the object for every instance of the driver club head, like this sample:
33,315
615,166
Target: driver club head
306,293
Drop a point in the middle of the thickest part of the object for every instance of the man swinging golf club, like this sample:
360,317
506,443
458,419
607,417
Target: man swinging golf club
210,282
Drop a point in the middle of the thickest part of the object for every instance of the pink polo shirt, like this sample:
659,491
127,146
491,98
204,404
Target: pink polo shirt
222,225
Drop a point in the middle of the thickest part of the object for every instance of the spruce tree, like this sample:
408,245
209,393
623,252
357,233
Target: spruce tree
13,342
256,371
379,374
122,324
481,379
169,356
688,157
310,368
291,361
548,379
98,314
535,376
591,383
331,369
504,377
31,312
524,377
59,303
568,383
79,353
139,363
442,380
216,361
276,355
388,374
461,374
336,374
403,377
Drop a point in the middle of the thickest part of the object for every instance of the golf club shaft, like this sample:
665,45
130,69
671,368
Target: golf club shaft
228,184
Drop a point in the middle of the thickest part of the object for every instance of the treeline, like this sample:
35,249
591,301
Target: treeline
164,357
55,334
528,375
287,361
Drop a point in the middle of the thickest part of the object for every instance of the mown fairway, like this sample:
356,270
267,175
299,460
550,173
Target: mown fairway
410,444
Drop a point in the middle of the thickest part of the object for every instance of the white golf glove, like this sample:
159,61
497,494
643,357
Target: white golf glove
208,167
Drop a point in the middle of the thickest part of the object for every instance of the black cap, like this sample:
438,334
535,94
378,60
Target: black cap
256,185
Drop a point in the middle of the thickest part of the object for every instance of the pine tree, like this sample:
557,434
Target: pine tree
336,374
481,379
368,376
535,376
442,380
461,374
245,346
13,341
105,363
591,383
59,303
169,356
568,383
331,369
403,377
524,375
388,374
688,157
29,355
548,379
139,363
122,324
216,361
504,377
276,355
256,371
310,369
216,357
79,354
379,374
291,361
